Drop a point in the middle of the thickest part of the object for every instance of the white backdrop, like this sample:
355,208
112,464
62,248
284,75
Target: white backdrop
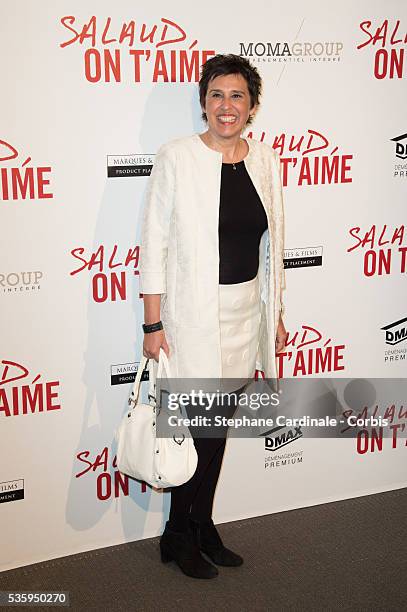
71,310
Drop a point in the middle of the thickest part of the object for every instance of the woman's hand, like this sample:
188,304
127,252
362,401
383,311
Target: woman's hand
152,344
281,336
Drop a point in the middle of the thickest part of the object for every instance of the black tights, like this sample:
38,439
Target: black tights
194,498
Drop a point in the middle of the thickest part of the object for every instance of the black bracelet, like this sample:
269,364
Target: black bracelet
152,327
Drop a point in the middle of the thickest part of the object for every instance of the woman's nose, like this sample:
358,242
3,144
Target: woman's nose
226,104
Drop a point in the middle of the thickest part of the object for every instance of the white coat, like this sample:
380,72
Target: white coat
179,255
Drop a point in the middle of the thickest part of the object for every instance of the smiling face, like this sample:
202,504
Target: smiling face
228,105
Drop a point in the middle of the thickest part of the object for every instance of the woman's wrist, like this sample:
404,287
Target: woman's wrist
149,328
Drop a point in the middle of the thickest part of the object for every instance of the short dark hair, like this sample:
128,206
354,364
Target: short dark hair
221,65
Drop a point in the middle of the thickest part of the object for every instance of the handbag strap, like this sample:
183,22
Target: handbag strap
136,387
162,365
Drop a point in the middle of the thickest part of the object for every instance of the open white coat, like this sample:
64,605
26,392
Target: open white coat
180,252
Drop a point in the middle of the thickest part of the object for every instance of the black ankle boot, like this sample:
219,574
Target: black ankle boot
208,540
181,548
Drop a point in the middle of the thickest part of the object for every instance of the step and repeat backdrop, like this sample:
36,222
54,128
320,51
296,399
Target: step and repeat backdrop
90,90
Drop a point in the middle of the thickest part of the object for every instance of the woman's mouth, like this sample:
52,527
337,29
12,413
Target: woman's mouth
227,119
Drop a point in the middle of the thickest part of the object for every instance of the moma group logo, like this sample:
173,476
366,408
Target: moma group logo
400,170
11,490
124,373
119,166
19,282
134,51
384,249
303,257
298,52
111,271
388,42
311,158
20,179
34,396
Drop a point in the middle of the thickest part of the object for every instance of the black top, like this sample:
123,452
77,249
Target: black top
242,221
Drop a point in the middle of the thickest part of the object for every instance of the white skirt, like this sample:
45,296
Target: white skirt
239,317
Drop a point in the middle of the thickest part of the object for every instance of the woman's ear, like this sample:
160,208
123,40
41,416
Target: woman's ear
253,111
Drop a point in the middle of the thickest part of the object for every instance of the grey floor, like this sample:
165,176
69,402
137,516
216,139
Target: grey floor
348,555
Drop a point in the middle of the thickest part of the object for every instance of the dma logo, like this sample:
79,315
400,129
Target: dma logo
396,332
276,438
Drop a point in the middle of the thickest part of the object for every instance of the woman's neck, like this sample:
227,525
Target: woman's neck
233,149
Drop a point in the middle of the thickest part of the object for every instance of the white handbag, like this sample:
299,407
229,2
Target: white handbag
160,462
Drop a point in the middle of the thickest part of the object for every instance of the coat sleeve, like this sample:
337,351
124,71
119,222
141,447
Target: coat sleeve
282,270
158,208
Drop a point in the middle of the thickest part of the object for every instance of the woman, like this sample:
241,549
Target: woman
212,275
